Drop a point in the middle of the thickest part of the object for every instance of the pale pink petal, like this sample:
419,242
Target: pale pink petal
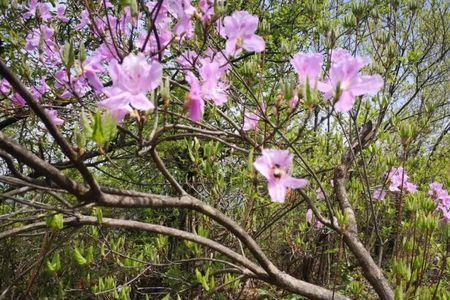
141,102
345,102
282,158
277,191
295,183
367,85
230,27
309,215
254,43
230,47
53,116
114,71
264,166
410,187
117,100
326,88
154,76
196,108
94,81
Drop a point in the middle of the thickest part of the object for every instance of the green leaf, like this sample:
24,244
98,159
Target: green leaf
80,138
90,254
79,257
97,134
134,8
87,128
166,297
57,261
99,214
68,56
82,53
55,222
109,127
49,267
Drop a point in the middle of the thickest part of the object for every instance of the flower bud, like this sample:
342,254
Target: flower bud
82,53
219,7
350,21
265,26
382,37
392,51
358,9
413,5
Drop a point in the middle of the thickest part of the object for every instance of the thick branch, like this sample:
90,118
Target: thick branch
41,166
283,280
40,112
370,269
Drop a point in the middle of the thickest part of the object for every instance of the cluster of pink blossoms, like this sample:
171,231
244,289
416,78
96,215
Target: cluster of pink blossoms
344,83
134,77
239,30
442,199
399,180
211,86
132,80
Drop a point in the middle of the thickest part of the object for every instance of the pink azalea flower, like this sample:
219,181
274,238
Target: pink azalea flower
239,29
410,187
183,11
17,100
40,89
41,9
444,203
131,81
399,179
250,121
33,6
442,198
446,215
162,25
84,21
194,102
61,79
319,224
207,9
276,167
53,115
44,11
345,82
437,191
90,68
320,195
212,88
309,215
307,66
61,9
5,88
379,195
294,101
188,59
34,38
217,57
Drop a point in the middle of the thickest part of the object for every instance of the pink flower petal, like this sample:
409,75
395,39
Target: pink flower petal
277,191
